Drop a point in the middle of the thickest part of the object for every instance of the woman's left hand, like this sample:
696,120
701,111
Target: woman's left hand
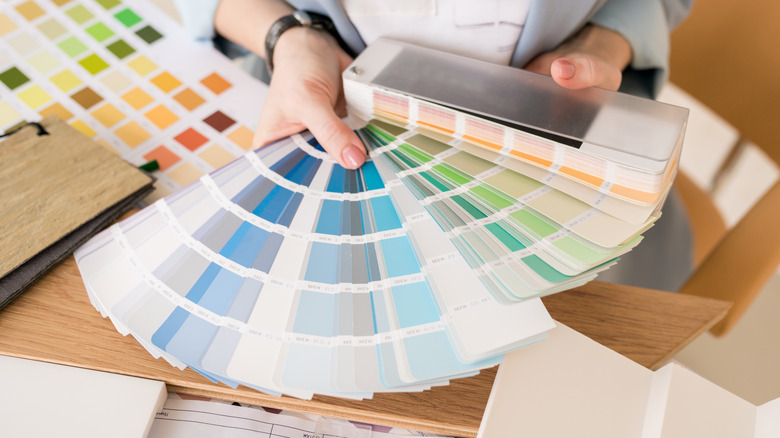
594,57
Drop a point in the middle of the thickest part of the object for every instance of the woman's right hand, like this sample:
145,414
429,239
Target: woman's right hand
306,92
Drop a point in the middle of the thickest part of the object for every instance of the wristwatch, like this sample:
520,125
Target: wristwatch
297,19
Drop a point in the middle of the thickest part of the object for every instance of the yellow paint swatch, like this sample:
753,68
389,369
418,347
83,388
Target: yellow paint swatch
216,156
132,134
161,116
108,115
43,62
83,128
242,136
6,25
34,97
58,110
142,65
184,173
137,98
166,82
66,80
8,115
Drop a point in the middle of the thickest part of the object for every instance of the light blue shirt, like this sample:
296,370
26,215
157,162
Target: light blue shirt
644,23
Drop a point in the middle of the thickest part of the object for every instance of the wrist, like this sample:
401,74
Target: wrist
301,41
307,29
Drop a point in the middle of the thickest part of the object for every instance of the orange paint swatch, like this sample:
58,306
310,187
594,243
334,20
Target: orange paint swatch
165,158
166,82
191,139
242,136
216,83
137,98
161,116
108,115
30,10
58,110
132,134
189,99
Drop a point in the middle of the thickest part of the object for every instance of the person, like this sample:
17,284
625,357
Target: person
614,44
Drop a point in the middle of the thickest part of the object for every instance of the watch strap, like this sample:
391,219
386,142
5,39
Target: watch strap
297,19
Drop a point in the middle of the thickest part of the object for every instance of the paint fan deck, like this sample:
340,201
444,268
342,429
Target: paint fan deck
287,273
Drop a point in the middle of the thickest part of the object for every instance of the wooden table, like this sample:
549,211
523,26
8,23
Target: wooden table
54,322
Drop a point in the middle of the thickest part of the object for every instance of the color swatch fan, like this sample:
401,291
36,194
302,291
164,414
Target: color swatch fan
284,272
522,238
616,152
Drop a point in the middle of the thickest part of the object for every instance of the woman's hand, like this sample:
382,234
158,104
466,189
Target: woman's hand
594,57
306,92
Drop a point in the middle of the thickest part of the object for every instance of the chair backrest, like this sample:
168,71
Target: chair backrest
725,56
738,265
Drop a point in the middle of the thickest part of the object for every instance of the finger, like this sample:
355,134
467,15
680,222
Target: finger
334,135
585,71
541,64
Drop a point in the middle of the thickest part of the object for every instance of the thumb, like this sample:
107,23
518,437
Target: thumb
335,136
577,72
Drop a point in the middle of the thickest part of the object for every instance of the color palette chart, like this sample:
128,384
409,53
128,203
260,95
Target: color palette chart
285,272
128,76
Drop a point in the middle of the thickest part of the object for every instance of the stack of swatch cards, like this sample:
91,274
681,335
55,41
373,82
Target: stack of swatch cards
284,272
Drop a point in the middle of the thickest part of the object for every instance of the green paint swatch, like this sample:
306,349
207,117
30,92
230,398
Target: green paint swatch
468,207
72,46
538,226
415,153
79,14
13,78
93,64
497,201
148,34
451,174
120,49
100,32
108,4
127,17
544,270
505,237
434,181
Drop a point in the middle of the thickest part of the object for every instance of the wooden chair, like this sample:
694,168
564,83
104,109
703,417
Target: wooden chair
734,264
720,69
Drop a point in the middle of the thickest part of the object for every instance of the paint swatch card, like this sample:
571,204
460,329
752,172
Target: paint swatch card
285,272
518,251
622,146
126,75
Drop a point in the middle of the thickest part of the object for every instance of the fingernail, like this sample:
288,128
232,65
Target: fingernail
353,156
565,69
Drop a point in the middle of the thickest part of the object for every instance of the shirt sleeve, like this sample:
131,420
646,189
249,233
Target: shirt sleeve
646,25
